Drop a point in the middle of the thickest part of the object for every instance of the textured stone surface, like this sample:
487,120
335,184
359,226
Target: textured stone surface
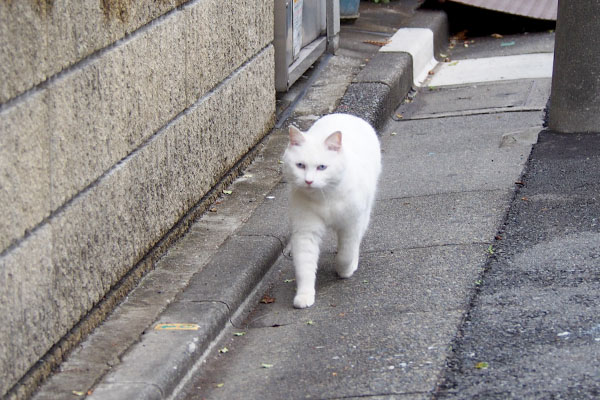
39,39
26,305
98,236
25,166
243,28
100,111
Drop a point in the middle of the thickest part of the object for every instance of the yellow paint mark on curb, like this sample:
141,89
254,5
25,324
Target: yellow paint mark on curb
176,327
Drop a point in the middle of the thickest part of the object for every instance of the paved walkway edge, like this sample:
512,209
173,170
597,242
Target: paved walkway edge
159,364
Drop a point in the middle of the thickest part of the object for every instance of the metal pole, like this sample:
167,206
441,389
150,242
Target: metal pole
333,26
575,95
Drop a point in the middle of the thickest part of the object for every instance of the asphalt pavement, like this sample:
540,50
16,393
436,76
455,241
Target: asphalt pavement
533,329
478,276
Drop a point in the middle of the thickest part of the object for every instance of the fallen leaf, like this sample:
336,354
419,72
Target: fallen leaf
77,393
227,191
265,365
460,35
377,42
310,322
288,280
213,209
239,333
267,299
490,249
432,72
224,350
524,199
452,64
482,365
497,36
220,385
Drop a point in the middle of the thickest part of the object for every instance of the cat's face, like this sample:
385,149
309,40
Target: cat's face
313,163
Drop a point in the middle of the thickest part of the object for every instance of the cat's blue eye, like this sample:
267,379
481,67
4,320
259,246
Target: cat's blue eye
300,165
321,167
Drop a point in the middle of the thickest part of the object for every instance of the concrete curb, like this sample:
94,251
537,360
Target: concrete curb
156,366
380,87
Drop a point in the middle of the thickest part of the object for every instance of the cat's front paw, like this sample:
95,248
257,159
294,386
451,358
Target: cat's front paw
344,268
346,271
304,300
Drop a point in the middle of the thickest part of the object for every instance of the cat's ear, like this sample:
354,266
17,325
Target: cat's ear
334,141
296,136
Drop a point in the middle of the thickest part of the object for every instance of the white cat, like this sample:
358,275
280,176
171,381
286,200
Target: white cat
333,170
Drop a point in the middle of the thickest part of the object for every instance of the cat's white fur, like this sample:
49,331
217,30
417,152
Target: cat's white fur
332,170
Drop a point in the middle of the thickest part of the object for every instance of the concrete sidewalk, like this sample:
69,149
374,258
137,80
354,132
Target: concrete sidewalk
451,162
214,275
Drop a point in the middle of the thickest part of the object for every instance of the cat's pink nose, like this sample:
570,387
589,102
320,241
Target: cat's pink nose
308,182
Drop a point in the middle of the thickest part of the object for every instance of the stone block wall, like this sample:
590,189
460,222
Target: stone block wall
116,117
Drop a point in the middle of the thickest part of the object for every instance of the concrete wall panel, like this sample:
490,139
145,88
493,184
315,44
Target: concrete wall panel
24,168
41,38
96,114
103,111
87,246
27,305
245,26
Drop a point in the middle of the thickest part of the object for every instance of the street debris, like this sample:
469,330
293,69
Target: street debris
177,327
482,365
267,299
377,42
